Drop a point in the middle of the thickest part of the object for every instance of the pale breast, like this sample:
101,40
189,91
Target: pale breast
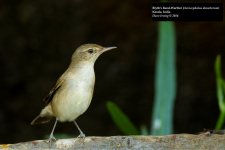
75,96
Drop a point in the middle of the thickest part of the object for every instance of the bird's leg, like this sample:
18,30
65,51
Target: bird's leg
82,135
51,137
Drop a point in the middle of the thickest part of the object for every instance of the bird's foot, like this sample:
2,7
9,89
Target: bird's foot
82,135
51,140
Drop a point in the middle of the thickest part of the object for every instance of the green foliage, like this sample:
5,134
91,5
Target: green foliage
220,92
165,88
121,120
144,130
165,80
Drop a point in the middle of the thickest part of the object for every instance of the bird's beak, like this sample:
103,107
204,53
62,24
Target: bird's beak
108,48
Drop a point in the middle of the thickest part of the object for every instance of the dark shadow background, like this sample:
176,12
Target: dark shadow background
37,39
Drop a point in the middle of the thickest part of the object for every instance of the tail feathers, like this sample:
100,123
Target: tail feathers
40,120
45,116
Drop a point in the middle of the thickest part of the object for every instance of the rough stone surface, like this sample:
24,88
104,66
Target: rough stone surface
204,141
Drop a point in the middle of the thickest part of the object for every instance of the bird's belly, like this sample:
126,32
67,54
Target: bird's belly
71,103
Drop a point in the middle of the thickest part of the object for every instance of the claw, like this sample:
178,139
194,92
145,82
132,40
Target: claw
51,140
82,135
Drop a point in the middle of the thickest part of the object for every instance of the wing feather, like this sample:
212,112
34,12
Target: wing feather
53,91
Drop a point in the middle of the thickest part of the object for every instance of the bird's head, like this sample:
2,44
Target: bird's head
89,52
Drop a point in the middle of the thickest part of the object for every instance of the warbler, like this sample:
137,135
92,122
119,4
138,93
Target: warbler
73,91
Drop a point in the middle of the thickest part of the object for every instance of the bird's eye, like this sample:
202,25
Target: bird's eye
90,51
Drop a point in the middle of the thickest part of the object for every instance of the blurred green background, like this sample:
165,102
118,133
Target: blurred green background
37,39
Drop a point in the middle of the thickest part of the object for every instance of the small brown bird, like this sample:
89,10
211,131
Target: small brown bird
72,94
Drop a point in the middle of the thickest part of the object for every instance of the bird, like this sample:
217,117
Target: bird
73,91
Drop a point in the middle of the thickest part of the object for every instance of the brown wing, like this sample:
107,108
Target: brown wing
51,94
